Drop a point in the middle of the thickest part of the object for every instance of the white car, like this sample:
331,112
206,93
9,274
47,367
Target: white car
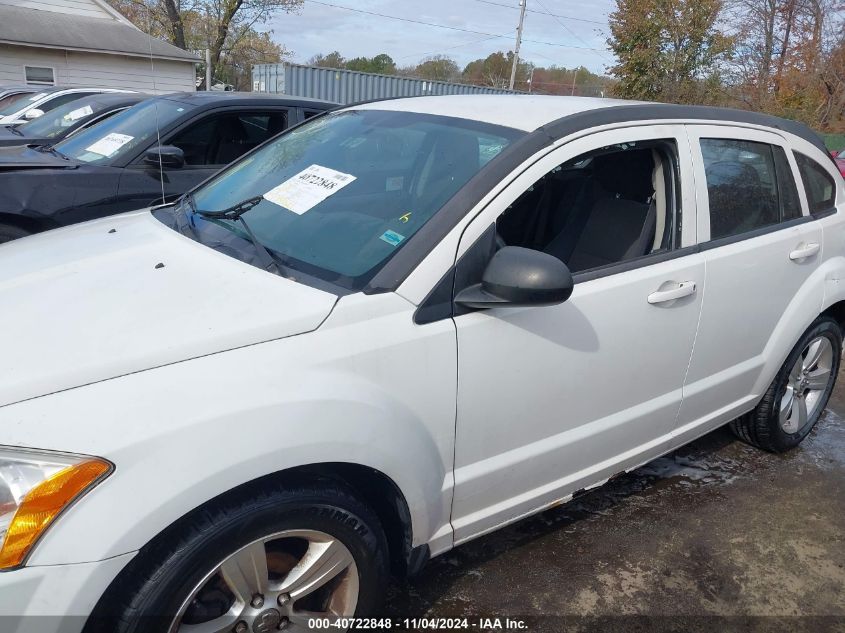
388,331
37,104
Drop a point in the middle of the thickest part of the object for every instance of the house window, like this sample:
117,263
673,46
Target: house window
39,75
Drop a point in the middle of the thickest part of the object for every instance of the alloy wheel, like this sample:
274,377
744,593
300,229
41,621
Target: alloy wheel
276,583
806,386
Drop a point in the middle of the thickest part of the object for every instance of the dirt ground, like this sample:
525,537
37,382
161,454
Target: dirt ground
718,536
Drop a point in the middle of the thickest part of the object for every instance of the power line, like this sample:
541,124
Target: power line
570,31
546,12
449,48
444,26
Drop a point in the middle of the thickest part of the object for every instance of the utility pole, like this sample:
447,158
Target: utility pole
208,69
522,4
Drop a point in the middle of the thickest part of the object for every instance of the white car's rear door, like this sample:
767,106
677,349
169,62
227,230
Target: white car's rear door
760,247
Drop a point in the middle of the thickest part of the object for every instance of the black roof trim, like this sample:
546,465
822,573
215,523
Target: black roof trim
397,269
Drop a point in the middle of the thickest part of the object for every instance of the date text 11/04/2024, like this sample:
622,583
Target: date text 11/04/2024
415,624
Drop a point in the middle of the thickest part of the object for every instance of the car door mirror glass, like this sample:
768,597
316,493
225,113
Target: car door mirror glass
166,156
519,277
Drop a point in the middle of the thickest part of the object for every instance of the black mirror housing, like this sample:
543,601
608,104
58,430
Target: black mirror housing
519,277
166,156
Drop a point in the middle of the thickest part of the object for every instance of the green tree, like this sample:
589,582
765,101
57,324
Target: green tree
495,71
382,64
438,68
332,60
668,50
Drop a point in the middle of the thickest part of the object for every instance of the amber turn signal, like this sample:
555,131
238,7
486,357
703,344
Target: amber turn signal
43,503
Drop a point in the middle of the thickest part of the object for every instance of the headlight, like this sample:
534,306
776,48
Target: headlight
35,486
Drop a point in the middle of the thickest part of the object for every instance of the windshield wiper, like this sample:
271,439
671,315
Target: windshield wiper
50,149
15,130
236,212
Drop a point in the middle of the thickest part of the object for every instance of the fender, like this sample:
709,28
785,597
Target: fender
250,412
802,310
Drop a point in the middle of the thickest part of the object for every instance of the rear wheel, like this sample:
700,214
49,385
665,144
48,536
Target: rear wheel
9,232
799,393
274,561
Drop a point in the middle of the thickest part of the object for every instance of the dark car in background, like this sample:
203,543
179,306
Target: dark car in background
148,154
67,120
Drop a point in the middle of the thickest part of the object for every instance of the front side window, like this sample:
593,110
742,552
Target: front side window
342,193
119,135
601,208
818,184
39,75
219,140
749,186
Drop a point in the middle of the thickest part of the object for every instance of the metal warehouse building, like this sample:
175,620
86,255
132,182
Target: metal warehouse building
349,86
86,43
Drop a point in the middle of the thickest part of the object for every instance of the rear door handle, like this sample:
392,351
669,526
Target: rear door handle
683,289
808,250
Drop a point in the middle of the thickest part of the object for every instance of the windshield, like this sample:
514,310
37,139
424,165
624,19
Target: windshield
7,102
120,134
54,123
26,102
345,192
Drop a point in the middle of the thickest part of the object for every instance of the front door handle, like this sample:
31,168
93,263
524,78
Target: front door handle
802,252
683,289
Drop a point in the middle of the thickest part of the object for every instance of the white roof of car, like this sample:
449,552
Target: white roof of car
523,112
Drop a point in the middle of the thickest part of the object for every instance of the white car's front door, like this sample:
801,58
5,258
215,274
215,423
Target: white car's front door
554,399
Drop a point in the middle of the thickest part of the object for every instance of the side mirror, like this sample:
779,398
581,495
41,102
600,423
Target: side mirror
33,113
166,156
519,277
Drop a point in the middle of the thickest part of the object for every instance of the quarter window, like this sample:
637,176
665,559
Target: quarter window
607,206
819,186
749,186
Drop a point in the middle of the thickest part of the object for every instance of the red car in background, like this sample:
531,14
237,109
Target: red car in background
840,161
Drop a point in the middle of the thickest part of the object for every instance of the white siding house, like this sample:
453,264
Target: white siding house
86,43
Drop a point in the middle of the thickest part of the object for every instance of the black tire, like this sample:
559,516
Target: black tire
150,590
9,232
761,427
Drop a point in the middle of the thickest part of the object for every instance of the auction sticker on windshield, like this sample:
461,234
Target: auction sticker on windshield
109,144
308,188
73,115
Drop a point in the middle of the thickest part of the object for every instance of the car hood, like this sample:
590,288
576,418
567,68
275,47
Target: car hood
125,294
24,157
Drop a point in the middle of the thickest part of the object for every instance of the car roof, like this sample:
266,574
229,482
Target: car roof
522,112
558,116
115,99
217,97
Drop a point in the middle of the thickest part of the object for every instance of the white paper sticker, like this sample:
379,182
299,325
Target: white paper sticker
308,188
77,114
109,144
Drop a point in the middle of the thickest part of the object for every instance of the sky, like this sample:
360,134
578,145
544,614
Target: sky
566,40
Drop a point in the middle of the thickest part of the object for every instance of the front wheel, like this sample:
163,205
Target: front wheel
275,560
799,393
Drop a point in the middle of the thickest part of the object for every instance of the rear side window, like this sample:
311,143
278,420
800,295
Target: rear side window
749,186
818,184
